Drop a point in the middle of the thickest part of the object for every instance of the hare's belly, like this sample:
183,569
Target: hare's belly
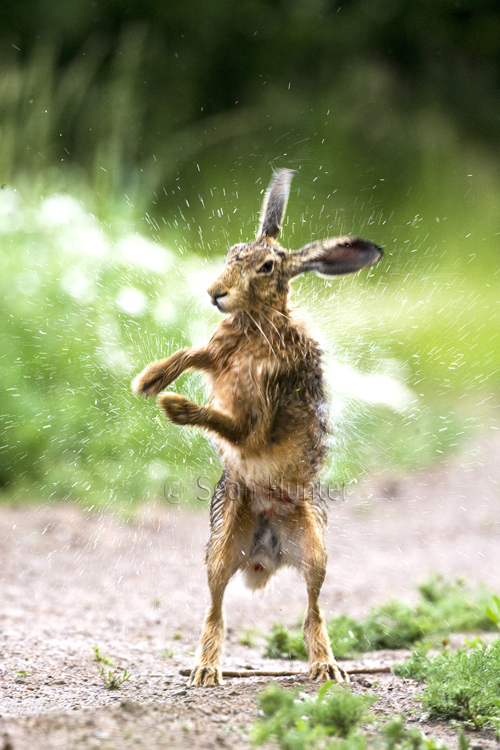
272,501
261,469
275,482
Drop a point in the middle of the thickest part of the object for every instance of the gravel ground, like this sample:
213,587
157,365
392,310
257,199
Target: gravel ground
72,580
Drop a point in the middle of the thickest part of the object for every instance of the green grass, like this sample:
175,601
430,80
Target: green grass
335,718
300,722
101,658
463,685
107,251
442,608
94,287
86,311
248,637
113,680
87,306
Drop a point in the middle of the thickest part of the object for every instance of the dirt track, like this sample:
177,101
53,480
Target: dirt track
70,581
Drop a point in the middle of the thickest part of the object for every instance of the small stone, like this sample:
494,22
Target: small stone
130,706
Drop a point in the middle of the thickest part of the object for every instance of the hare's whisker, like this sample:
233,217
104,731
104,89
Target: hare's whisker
271,322
269,307
262,332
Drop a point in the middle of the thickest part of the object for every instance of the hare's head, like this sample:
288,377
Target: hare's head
257,274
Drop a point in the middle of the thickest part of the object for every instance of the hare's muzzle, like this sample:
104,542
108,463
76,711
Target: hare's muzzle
216,298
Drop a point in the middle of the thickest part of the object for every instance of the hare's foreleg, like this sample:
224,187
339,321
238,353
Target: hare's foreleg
158,375
223,559
322,665
184,412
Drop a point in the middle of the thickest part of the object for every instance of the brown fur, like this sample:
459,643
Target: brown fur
268,418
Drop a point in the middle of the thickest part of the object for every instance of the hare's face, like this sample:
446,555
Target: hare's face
257,274
253,278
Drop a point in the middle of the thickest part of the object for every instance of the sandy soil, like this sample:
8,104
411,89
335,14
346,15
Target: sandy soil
71,580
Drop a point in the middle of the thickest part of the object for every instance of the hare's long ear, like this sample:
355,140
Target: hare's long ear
274,207
335,257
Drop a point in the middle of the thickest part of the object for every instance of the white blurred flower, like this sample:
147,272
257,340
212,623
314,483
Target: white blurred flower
28,282
132,301
9,202
142,252
165,312
91,242
61,209
80,287
373,388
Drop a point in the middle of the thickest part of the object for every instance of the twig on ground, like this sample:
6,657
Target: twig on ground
286,673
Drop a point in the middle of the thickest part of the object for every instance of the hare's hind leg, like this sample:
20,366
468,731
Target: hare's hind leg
322,665
223,560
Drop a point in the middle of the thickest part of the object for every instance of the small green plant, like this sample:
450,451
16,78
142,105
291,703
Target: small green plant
168,653
112,680
283,643
444,607
462,685
396,736
493,610
332,720
177,635
249,638
101,658
22,673
296,721
416,667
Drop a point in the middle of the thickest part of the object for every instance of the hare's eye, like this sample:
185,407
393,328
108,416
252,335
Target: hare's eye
267,267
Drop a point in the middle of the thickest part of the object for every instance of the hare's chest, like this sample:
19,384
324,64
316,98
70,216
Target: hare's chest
245,382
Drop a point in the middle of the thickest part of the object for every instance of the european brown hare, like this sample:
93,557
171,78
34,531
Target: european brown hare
268,417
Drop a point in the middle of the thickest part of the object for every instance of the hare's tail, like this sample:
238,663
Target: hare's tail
264,558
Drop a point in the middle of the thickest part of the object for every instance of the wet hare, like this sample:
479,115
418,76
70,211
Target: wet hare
268,417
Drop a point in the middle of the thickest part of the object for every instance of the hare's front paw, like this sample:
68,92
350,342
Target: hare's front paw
152,380
324,671
179,409
206,677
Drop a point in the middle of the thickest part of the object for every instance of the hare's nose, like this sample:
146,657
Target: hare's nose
217,297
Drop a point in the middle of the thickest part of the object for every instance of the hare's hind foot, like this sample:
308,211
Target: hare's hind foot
206,677
324,671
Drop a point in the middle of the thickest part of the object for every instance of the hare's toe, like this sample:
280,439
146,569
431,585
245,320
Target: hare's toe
147,383
206,677
178,409
324,671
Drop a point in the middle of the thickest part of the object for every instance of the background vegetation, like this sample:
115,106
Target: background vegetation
136,141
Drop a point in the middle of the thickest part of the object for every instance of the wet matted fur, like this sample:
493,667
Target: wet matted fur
268,418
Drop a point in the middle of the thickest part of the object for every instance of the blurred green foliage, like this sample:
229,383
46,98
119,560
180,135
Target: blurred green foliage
137,141
444,607
87,307
301,722
334,719
84,314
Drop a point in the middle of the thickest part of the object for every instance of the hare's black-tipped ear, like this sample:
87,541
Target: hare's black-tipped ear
273,210
336,257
